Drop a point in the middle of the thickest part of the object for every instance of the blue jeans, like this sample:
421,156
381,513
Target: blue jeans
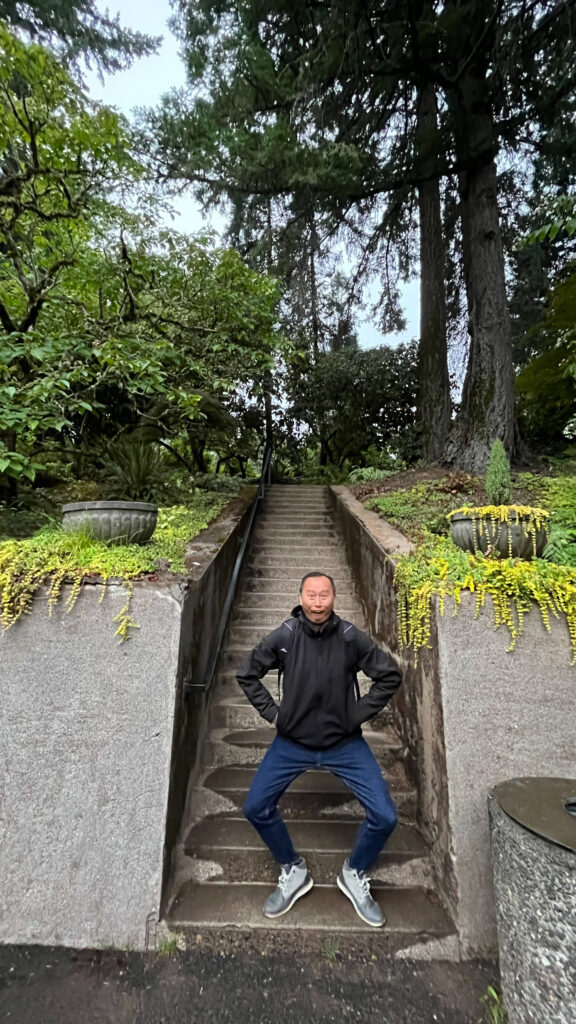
354,763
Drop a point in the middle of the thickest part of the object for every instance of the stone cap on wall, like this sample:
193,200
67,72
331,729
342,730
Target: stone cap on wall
393,542
540,805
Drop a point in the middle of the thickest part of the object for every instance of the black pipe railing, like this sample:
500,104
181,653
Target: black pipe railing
204,685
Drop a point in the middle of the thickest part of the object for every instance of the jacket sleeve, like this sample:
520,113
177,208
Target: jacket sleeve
255,665
383,670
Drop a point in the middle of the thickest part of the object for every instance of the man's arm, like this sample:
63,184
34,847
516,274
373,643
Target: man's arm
255,665
380,667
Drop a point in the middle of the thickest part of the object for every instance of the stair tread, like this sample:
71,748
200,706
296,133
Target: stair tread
325,908
264,736
233,779
325,835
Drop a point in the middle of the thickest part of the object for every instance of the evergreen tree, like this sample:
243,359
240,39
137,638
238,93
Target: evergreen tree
333,103
76,28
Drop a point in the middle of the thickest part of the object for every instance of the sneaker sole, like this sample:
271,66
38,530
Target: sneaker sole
373,924
301,892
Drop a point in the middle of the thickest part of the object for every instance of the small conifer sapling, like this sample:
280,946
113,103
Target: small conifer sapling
498,481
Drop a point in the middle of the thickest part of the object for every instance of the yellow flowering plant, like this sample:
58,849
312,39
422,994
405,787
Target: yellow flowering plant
439,569
53,558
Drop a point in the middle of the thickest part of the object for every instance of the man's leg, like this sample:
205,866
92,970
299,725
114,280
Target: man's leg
283,763
356,765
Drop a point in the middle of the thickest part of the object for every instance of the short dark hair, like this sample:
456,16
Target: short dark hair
311,575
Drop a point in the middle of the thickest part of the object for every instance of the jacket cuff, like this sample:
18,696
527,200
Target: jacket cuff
270,713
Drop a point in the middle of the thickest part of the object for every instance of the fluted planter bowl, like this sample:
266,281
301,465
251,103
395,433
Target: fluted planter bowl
125,522
478,533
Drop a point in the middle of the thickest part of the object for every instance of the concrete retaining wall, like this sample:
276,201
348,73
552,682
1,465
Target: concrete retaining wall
470,716
97,742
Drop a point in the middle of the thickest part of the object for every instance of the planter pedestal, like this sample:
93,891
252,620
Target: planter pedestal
533,839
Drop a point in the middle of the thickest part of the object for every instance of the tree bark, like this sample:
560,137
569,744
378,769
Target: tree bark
433,410
487,408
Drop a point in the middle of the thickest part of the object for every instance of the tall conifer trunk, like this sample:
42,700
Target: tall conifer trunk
434,382
487,408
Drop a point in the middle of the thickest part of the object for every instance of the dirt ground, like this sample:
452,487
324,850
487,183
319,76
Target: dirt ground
41,985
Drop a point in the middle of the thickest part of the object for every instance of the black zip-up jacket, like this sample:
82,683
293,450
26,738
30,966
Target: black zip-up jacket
319,706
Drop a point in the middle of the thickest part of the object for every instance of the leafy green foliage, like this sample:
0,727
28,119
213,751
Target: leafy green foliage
355,402
421,509
135,471
109,325
546,384
562,214
52,557
218,483
494,1007
439,568
284,116
498,482
367,473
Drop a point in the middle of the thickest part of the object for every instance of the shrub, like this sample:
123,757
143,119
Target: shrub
498,481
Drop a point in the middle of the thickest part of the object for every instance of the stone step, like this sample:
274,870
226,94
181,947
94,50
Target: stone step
284,583
235,846
247,746
300,558
227,686
273,526
283,506
268,615
235,712
242,633
314,795
313,498
292,576
331,562
295,521
230,916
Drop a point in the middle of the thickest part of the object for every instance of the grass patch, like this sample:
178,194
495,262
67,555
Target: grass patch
420,510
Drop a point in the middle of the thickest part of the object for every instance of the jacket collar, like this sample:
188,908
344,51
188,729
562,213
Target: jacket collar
329,626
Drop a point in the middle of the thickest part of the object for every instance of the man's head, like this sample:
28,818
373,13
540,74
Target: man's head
317,593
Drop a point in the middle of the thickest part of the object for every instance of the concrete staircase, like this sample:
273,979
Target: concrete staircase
224,873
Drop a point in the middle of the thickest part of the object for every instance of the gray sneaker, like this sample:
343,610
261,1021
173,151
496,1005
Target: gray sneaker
293,882
356,886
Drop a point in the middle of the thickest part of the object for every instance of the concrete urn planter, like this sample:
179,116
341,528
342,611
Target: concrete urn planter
480,532
125,522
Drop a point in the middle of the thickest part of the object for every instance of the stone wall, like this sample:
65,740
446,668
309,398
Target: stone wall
371,545
97,742
471,715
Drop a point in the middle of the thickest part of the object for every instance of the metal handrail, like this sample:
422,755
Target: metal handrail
265,477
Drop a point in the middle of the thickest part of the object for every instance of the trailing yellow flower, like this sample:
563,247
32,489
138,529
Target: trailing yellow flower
533,520
439,569
54,559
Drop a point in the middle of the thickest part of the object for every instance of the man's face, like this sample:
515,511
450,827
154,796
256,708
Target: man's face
317,599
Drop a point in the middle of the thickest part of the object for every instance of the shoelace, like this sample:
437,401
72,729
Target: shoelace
363,884
283,879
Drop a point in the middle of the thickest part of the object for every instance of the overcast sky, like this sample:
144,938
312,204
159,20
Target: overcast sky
143,84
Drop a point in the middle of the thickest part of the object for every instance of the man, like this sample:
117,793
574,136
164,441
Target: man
318,725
